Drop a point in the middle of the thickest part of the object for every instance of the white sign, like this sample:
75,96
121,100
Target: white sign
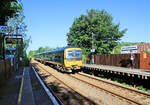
3,29
92,50
127,49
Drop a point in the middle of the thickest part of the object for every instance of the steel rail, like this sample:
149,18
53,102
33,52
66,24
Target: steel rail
127,88
48,90
122,97
68,86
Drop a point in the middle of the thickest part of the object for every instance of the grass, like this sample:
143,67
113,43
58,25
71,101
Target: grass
118,80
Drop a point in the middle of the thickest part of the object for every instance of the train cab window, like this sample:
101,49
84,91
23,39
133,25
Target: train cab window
77,53
74,53
69,53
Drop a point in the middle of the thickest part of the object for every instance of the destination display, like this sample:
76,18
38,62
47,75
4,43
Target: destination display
13,40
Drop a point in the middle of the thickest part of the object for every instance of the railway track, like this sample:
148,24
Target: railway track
87,84
131,95
83,98
50,93
90,94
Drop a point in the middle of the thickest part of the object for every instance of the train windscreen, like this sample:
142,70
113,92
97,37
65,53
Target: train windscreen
74,55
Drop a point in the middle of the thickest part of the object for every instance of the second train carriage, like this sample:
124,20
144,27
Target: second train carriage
65,58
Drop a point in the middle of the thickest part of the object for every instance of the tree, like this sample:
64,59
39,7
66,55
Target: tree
96,26
11,14
9,9
17,26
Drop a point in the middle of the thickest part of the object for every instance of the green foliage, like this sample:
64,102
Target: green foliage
141,88
9,9
99,25
11,15
84,59
148,50
25,60
31,53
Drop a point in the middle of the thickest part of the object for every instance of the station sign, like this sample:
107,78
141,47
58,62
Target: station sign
14,40
3,29
92,50
127,49
10,48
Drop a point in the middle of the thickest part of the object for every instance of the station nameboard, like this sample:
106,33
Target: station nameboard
3,29
127,49
14,40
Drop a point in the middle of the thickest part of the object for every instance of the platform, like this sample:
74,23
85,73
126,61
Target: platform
26,95
9,91
23,88
141,73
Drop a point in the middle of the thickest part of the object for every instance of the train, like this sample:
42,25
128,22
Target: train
66,59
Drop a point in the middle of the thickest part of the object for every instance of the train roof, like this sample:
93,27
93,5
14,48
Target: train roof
56,50
60,49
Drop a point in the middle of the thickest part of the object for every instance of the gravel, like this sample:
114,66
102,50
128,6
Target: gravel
70,97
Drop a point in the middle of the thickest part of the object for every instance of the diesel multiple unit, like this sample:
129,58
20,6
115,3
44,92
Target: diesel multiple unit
64,59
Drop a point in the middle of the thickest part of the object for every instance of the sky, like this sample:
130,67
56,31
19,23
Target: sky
49,21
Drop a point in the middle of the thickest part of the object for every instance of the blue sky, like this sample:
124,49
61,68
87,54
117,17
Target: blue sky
49,21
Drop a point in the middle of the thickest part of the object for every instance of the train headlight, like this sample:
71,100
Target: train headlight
68,63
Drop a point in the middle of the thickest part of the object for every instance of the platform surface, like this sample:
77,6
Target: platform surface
9,91
133,71
26,95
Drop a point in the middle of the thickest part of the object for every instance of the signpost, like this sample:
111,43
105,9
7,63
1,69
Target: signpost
92,51
10,38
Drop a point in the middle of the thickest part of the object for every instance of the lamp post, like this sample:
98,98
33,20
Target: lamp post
92,50
17,51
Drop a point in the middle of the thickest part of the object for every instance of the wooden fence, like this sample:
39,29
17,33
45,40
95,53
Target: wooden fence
122,60
145,61
2,71
5,70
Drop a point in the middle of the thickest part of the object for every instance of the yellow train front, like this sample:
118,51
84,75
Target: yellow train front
66,59
72,59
